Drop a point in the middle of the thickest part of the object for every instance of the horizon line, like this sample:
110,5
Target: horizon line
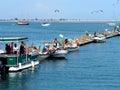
59,20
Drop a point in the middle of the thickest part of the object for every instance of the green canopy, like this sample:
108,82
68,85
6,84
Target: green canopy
13,39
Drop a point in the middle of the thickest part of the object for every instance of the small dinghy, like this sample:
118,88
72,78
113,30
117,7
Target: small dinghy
45,24
59,54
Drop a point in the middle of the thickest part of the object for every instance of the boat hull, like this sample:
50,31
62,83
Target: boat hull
71,49
44,56
99,39
14,62
59,54
45,25
22,67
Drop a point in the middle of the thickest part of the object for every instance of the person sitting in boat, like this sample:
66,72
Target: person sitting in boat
35,49
66,43
58,46
77,42
15,49
95,34
55,42
43,48
11,47
88,35
28,50
7,49
22,48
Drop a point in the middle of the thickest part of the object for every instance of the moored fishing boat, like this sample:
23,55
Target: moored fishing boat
59,53
45,24
23,22
72,48
112,24
43,55
54,49
71,45
98,38
21,59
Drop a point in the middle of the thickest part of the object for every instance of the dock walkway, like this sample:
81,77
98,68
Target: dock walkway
87,39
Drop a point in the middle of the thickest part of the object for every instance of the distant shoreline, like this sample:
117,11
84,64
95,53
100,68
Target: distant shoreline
66,20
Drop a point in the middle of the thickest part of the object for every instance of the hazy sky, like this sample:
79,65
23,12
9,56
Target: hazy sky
68,9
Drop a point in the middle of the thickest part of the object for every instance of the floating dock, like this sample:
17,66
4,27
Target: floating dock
87,39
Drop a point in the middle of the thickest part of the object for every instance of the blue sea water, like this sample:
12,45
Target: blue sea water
95,66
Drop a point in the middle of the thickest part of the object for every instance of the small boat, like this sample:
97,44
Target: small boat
23,22
99,39
15,61
43,55
112,24
45,24
43,51
59,54
72,48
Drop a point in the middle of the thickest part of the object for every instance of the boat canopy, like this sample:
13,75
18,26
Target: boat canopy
13,39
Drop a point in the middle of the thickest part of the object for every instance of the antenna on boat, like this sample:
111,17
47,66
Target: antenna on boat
61,35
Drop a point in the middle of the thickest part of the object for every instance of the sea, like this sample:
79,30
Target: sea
94,66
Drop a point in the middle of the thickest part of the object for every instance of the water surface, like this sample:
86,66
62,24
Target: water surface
93,67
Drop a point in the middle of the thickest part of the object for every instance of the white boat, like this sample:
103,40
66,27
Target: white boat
72,48
112,24
43,55
23,22
59,54
99,39
45,24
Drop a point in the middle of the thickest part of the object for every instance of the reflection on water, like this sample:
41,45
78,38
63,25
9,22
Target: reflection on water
52,64
93,67
14,80
22,80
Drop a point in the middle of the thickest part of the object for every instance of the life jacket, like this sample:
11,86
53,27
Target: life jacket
66,44
27,50
77,42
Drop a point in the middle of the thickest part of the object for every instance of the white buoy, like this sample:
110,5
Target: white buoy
61,35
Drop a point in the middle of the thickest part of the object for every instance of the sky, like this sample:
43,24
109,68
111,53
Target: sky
68,9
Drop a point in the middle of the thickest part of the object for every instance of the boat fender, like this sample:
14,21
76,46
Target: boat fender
32,63
20,65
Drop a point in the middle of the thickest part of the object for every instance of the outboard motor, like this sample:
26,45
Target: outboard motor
2,68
